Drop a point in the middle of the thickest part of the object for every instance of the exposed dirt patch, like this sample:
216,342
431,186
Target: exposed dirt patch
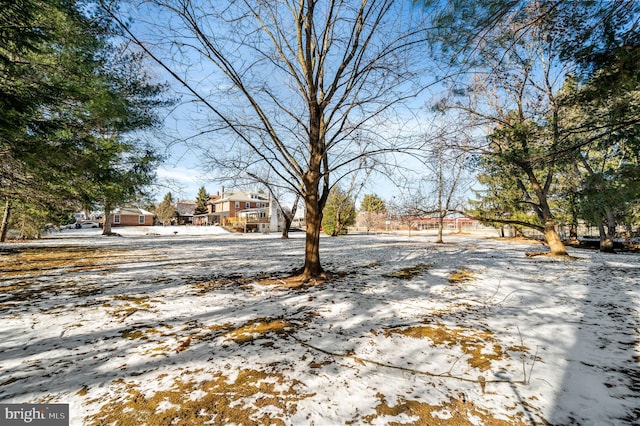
297,281
293,281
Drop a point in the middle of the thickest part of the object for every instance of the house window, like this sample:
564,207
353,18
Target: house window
141,220
237,204
247,204
116,218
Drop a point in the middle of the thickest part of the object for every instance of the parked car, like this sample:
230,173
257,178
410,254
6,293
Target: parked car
83,224
90,224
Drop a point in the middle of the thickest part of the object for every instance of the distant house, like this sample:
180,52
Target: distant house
185,211
208,218
131,216
244,211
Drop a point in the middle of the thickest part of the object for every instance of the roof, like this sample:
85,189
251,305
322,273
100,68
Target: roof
241,196
132,211
186,208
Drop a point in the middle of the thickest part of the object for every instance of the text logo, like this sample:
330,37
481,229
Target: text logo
34,414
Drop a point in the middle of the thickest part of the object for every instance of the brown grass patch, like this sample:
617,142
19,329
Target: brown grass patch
461,275
212,401
212,285
33,290
480,345
294,281
408,273
219,282
211,332
131,305
27,266
255,329
35,261
314,364
456,411
167,342
133,334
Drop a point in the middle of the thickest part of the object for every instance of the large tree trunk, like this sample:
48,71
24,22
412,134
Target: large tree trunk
314,199
106,224
556,246
607,233
4,227
606,243
313,218
439,239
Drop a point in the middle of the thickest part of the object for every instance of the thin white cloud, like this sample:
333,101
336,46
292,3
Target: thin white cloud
178,174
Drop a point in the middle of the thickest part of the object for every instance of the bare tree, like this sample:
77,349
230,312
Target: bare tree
449,161
302,84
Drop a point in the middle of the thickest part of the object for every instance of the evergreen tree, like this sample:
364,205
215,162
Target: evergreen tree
371,203
518,97
603,121
338,213
373,211
201,201
69,101
46,58
505,198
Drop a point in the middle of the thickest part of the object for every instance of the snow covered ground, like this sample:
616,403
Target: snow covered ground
200,327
